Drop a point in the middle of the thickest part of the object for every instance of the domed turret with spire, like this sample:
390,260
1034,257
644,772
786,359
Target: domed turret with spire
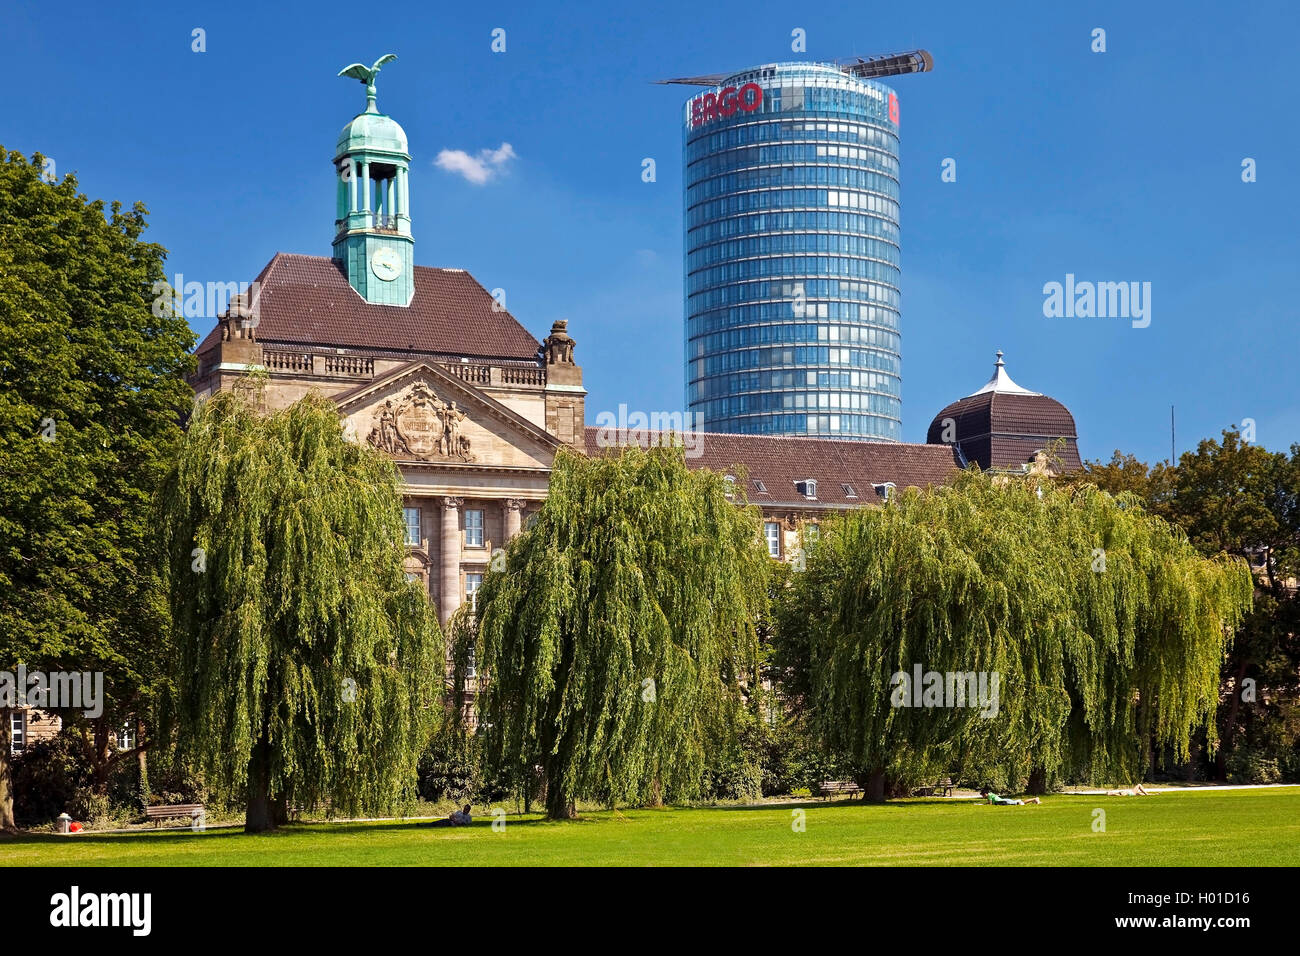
372,240
1004,427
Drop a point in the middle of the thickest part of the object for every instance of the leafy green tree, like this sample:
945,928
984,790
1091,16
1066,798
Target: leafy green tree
1125,473
92,391
1104,628
617,638
308,669
1237,497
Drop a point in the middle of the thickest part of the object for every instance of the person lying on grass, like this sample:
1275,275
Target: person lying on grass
1137,791
458,818
1004,802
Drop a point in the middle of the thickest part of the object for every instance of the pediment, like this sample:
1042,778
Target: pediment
421,414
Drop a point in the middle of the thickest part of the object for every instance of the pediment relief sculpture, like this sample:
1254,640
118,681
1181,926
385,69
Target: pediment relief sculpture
421,425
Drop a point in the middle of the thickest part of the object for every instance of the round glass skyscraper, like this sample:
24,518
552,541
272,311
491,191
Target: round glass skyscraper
792,254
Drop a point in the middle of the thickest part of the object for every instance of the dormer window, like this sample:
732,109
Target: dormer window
885,490
807,487
731,486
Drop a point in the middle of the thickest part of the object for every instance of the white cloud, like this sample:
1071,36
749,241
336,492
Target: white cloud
477,169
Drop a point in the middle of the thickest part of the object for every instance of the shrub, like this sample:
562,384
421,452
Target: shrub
51,777
1253,767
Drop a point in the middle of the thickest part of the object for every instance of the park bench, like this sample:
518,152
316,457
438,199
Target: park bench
831,788
160,813
942,788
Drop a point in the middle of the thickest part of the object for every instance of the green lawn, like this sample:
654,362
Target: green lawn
1248,827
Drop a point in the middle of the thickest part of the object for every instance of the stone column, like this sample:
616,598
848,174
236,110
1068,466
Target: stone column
514,510
449,592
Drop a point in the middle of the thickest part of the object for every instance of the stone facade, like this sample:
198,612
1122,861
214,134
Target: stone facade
474,435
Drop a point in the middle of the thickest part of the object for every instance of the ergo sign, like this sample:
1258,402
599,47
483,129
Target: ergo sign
711,106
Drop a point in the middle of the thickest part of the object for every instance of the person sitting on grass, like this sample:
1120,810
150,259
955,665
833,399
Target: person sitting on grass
458,818
997,801
1137,791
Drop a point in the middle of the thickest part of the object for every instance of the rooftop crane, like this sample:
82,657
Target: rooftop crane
873,67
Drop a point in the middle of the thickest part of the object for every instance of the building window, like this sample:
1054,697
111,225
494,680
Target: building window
848,491
18,730
760,487
412,516
473,528
413,576
472,583
471,664
807,487
885,491
772,530
126,737
731,486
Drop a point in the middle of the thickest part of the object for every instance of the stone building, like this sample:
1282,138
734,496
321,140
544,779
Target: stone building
796,482
423,363
428,366
28,726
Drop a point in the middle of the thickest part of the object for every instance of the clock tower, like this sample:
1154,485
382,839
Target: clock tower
372,239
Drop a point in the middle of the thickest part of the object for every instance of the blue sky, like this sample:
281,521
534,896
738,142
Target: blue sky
1115,166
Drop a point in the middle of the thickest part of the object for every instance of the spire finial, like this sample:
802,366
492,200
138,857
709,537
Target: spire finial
999,363
367,74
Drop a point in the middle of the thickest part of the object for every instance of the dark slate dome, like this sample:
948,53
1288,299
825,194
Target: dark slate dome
1002,427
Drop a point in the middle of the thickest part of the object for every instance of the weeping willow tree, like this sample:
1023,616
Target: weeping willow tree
307,669
1085,630
1152,622
620,633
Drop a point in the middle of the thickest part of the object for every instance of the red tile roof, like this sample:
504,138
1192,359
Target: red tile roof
779,462
306,301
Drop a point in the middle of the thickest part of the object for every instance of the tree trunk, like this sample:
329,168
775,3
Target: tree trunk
7,824
1230,724
656,794
560,808
559,803
100,762
261,815
874,791
142,761
1037,785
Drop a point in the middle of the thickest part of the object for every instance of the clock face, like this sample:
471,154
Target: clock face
386,264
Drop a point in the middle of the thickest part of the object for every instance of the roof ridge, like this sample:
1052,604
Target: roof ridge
818,438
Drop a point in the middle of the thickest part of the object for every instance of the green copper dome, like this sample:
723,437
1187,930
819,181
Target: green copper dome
373,132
